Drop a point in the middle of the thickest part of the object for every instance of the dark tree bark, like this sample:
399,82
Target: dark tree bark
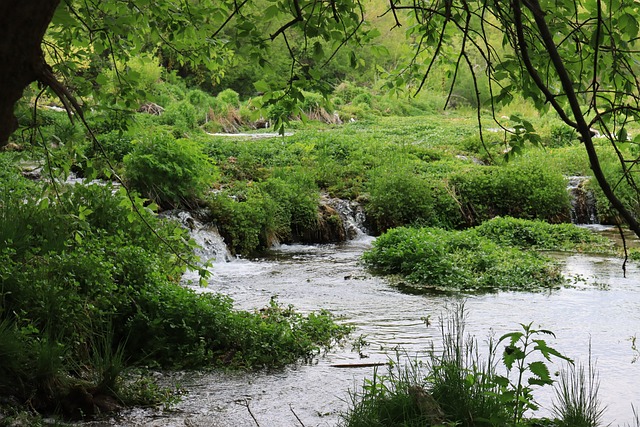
22,27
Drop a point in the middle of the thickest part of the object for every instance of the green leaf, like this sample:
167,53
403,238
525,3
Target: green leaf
547,351
318,51
622,135
262,86
541,371
512,336
270,12
63,17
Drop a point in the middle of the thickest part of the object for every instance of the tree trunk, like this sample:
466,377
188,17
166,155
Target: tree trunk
23,24
581,125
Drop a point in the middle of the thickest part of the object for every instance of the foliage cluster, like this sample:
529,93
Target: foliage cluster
169,172
255,216
88,291
435,259
524,189
540,235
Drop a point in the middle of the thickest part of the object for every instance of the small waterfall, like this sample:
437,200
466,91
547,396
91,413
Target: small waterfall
583,202
352,216
210,242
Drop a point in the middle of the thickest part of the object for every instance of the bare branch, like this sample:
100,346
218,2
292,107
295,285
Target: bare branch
295,20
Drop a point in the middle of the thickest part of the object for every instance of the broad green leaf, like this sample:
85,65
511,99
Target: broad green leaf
262,86
541,371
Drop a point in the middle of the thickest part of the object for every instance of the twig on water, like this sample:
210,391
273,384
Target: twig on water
246,405
296,415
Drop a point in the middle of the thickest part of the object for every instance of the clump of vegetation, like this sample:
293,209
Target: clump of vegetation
254,216
401,197
456,385
170,172
88,291
435,259
496,255
522,189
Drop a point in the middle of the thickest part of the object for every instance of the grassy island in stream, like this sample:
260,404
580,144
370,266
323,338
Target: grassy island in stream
496,255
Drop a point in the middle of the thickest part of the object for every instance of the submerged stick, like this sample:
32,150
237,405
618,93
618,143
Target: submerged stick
358,365
296,415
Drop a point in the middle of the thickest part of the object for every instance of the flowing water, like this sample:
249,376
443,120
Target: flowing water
601,311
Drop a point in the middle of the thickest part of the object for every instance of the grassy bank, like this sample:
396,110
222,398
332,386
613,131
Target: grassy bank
460,385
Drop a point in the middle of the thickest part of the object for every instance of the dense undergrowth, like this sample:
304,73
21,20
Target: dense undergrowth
496,255
89,292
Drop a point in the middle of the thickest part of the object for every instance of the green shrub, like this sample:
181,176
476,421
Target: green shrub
400,197
298,195
116,144
246,221
229,98
182,115
169,92
253,217
362,98
435,259
348,91
561,135
170,172
199,99
524,189
312,102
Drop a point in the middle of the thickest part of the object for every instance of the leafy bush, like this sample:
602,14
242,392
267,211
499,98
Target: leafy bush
170,172
246,221
524,189
253,217
312,102
182,115
401,197
229,98
435,259
562,135
87,290
116,144
347,91
295,191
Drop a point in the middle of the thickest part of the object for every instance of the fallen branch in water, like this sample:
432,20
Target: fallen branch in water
296,415
246,405
358,365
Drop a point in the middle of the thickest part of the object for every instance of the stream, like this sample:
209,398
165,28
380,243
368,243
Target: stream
601,310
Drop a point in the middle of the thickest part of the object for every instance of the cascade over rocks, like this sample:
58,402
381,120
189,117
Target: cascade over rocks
583,201
329,227
339,220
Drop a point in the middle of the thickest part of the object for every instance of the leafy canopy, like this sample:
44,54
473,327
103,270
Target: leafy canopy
573,57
